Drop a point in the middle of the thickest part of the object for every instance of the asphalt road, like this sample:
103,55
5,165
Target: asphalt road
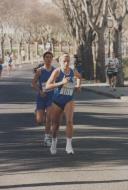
100,141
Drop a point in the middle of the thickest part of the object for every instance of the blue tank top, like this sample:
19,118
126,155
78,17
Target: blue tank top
66,90
45,74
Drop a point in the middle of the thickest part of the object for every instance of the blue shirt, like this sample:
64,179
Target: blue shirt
66,91
45,74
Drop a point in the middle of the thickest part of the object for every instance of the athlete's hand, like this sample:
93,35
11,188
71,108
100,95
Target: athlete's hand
42,93
78,89
65,80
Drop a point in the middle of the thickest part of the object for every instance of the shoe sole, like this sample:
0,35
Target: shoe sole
70,152
53,153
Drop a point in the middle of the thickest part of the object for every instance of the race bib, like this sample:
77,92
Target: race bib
67,89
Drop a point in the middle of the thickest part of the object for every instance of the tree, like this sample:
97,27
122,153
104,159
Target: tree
77,26
118,10
85,19
96,13
29,21
2,38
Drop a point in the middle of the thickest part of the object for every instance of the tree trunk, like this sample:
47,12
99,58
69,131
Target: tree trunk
36,49
53,48
29,51
86,55
60,46
100,62
20,47
11,46
2,49
27,56
117,48
69,47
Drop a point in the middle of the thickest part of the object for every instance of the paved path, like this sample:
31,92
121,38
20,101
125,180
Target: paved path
104,89
100,140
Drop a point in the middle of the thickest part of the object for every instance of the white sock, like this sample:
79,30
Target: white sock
53,148
69,141
46,136
69,148
54,140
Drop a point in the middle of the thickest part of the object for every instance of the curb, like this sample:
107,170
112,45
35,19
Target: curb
124,98
102,93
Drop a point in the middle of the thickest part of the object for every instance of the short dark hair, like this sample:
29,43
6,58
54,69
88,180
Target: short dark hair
47,52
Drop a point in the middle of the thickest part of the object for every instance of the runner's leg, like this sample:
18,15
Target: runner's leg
48,126
40,116
69,111
56,116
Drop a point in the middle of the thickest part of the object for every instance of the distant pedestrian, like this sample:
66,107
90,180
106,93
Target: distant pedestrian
112,68
9,62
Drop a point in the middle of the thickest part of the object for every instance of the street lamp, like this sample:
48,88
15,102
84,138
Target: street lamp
110,25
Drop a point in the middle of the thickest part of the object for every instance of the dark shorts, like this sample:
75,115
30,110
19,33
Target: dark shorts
115,73
61,101
43,103
110,75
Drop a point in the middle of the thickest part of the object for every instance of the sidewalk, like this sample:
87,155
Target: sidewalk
104,89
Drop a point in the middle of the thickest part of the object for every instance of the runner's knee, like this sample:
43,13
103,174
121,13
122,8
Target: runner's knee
69,122
39,120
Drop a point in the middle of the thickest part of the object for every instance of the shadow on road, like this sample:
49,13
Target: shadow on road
99,137
21,143
16,91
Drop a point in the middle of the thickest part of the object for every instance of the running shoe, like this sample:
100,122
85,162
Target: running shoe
69,149
53,149
47,142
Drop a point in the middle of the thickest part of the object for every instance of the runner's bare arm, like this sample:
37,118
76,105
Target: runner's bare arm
35,80
78,78
51,81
